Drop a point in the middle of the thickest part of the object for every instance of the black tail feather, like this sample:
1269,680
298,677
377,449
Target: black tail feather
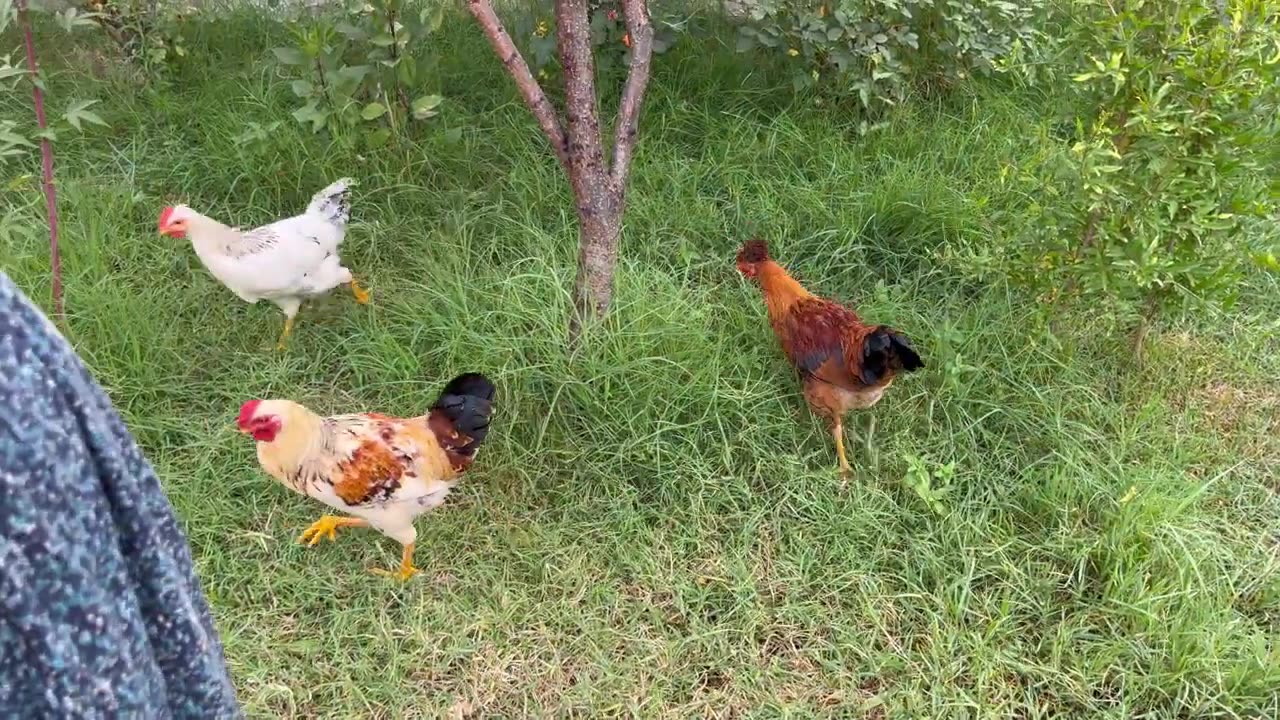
886,350
467,401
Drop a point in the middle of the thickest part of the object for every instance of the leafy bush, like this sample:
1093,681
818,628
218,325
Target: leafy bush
17,140
1165,194
357,73
879,50
152,35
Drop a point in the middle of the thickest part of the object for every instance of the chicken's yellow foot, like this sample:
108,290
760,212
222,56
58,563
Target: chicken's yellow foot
327,526
361,295
406,571
288,328
837,430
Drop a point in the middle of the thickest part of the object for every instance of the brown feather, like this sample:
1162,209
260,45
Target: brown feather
372,470
450,440
824,340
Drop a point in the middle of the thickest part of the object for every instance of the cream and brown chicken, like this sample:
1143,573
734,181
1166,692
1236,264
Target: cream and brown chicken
380,471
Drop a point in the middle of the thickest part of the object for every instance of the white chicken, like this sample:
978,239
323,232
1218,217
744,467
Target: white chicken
285,262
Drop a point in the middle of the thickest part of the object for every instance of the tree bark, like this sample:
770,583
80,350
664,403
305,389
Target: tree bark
599,230
599,187
636,15
46,159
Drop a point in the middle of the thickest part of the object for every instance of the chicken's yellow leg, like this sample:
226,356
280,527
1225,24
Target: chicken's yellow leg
837,431
288,328
871,446
361,295
327,526
406,571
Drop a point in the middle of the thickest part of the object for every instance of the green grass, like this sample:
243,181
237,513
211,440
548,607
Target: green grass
655,527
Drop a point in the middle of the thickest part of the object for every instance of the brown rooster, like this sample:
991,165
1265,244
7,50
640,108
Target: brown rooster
845,364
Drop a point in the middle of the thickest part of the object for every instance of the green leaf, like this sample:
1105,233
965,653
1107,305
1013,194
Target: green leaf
289,56
92,117
302,88
346,81
407,71
350,77
312,113
373,111
8,137
303,114
351,32
383,40
377,138
425,106
78,112
11,71
436,18
355,73
453,136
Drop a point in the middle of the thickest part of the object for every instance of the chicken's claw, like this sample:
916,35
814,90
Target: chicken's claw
327,526
402,574
361,295
406,571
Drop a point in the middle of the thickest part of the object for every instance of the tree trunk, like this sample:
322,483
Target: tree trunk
599,188
599,233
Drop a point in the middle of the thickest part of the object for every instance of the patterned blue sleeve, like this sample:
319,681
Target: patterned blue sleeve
101,614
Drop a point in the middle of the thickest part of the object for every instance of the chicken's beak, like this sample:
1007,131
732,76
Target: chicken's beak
172,230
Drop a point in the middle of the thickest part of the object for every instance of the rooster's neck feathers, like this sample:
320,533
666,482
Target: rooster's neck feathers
781,291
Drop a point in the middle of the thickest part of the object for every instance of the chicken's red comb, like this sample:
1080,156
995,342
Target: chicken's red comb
246,412
164,215
755,250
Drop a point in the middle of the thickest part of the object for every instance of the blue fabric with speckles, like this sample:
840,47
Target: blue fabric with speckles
101,614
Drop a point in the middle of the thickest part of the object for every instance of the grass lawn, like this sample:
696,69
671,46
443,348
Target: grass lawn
655,527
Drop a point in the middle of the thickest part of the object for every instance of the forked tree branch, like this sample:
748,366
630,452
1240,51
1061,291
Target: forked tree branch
586,153
543,111
598,185
636,15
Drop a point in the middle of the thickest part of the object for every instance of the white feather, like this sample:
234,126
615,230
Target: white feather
284,262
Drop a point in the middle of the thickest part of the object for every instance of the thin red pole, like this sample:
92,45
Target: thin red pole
46,158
